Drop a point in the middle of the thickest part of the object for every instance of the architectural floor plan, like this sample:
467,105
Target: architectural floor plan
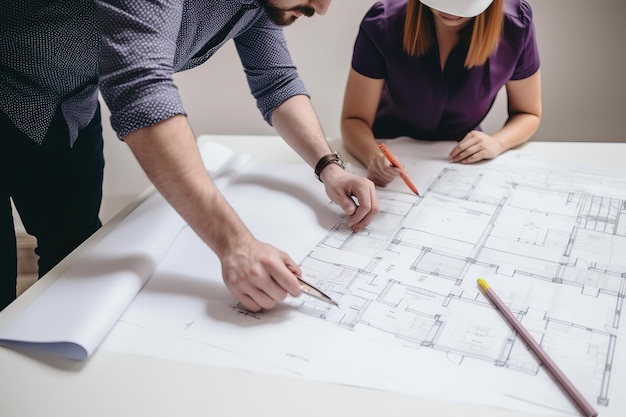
551,241
553,244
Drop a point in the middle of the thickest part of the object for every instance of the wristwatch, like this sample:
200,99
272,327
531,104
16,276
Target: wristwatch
331,158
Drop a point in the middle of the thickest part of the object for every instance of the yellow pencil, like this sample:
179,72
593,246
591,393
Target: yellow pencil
536,348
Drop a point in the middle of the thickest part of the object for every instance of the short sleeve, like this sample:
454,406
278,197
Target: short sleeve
367,58
528,62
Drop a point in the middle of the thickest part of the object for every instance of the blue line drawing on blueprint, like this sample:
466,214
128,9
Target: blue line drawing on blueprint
552,243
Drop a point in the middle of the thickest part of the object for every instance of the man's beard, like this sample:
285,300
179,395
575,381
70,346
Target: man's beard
279,16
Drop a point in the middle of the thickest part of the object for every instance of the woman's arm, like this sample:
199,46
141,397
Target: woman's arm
524,107
360,102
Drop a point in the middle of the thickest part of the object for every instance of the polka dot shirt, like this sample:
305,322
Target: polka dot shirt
145,42
142,44
48,58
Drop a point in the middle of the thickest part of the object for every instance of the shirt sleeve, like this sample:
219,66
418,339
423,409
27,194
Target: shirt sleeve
271,74
528,62
137,50
367,58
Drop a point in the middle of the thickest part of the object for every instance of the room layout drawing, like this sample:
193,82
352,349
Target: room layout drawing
411,319
552,244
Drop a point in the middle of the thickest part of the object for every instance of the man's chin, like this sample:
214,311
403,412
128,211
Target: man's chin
282,19
289,21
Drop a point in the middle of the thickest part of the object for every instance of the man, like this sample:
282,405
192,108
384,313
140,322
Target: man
51,160
140,45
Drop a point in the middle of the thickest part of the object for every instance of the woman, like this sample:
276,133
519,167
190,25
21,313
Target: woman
431,70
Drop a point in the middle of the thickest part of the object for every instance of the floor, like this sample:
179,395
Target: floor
26,262
24,282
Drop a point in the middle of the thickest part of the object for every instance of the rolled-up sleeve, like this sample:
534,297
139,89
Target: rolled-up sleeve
138,46
272,76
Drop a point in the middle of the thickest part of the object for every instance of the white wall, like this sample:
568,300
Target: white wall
581,44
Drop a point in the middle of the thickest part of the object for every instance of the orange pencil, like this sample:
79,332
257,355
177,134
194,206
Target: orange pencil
397,164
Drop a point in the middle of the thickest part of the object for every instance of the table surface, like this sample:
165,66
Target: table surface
115,384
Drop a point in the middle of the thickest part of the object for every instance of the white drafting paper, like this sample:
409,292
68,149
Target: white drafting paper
75,313
549,238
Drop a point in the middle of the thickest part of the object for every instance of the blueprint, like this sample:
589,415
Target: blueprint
553,244
549,238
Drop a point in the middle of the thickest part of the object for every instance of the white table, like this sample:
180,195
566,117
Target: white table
113,384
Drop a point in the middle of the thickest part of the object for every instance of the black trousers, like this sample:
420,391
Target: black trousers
56,189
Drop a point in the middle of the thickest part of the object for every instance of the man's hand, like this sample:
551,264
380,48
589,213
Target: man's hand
256,273
259,275
474,147
342,186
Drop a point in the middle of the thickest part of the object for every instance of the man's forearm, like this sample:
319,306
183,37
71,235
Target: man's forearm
296,122
169,155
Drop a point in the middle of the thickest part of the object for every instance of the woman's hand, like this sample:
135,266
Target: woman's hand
380,170
474,147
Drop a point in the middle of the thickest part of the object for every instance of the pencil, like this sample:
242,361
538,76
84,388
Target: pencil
541,355
315,292
394,161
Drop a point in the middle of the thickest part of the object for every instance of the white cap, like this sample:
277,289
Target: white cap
461,8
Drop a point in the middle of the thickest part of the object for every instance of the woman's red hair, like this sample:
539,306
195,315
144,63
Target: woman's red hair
482,35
